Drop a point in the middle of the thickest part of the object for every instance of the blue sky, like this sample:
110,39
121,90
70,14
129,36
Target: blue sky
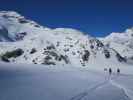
96,17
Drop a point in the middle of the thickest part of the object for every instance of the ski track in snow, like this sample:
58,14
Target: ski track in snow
124,89
93,88
110,79
82,95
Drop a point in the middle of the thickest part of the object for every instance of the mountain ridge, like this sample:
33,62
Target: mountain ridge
41,45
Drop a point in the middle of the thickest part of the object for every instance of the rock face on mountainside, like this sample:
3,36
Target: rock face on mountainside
122,43
25,41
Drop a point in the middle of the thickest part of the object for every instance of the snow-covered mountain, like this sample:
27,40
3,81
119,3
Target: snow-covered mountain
121,42
25,41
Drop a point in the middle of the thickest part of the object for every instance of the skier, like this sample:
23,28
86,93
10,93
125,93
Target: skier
118,71
110,71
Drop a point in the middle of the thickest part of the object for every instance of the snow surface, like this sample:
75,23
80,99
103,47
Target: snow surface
36,82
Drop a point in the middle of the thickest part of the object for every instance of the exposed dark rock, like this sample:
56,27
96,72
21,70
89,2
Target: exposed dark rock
15,53
92,47
33,50
65,58
71,45
107,53
50,47
58,44
120,58
37,25
66,50
73,53
20,36
48,58
5,59
22,20
99,43
47,61
86,55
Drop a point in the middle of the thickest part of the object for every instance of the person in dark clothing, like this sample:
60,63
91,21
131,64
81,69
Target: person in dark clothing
118,71
110,71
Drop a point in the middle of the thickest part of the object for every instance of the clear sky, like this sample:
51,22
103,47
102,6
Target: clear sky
96,17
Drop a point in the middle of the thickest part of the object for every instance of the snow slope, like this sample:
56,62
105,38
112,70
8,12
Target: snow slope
24,41
36,82
121,42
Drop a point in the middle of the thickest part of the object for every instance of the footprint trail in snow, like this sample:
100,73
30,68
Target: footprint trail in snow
103,90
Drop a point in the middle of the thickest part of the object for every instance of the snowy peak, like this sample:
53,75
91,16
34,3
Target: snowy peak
10,14
14,17
121,42
128,34
36,44
14,27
